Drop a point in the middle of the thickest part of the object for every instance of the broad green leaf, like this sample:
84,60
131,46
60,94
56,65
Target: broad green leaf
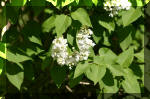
107,57
15,74
70,38
140,56
108,25
35,40
48,24
131,15
116,70
92,54
18,2
62,22
130,84
95,72
16,79
16,58
126,57
58,74
126,42
80,69
95,2
82,16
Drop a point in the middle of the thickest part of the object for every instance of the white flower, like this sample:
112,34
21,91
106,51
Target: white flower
61,61
84,43
113,6
90,31
2,3
59,48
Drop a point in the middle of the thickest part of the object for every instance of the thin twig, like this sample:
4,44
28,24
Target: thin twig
84,83
68,88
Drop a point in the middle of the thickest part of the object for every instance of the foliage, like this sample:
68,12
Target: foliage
115,65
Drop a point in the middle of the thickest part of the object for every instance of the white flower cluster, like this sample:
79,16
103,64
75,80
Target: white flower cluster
3,3
59,49
84,43
116,5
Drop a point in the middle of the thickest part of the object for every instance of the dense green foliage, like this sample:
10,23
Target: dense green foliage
115,65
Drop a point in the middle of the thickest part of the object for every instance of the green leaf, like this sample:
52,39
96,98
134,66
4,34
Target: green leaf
35,40
131,15
16,58
58,74
147,1
108,25
18,2
16,79
116,70
106,39
140,56
15,75
95,72
66,2
139,2
95,2
126,42
62,22
108,83
48,24
130,84
82,16
109,89
80,69
77,1
71,36
126,57
107,57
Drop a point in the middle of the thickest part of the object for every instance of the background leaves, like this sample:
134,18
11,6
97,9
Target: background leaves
115,64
